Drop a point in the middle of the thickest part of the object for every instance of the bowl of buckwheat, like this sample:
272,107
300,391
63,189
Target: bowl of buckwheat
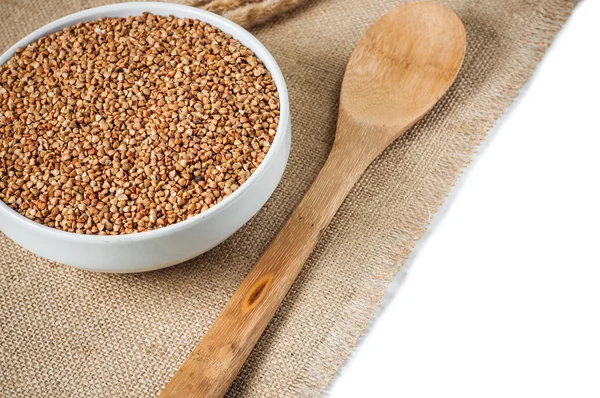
137,136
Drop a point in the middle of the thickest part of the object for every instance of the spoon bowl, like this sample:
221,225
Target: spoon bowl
400,68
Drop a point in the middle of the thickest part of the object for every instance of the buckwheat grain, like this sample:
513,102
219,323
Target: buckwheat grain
124,125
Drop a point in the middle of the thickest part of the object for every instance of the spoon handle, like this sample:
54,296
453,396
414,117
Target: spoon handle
214,363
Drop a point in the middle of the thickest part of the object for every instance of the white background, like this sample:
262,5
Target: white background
502,296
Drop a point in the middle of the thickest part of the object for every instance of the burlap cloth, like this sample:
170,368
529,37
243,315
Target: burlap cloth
70,333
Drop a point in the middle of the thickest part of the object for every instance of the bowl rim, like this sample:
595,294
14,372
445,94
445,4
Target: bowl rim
137,8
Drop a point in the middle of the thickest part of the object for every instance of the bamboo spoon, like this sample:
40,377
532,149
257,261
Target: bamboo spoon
400,68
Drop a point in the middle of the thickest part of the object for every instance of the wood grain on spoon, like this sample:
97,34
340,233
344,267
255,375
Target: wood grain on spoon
400,68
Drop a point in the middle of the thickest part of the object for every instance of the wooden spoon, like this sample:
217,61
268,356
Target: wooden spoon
401,67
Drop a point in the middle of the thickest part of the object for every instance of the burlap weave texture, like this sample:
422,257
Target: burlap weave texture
70,333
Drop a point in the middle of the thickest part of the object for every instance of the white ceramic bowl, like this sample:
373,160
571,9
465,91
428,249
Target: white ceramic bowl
175,243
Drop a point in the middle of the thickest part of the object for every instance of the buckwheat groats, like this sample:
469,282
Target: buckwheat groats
124,125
